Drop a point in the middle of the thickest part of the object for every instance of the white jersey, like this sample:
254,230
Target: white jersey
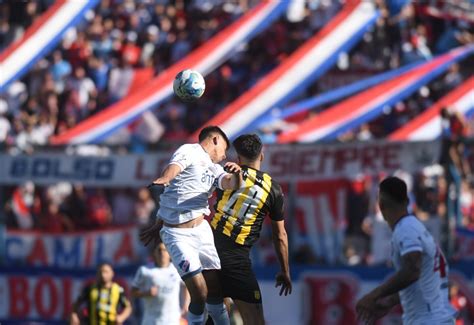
164,309
424,301
186,198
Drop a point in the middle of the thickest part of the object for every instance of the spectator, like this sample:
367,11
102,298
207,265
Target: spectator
144,207
122,208
99,213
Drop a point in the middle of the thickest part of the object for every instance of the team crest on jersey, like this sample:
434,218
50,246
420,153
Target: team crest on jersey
184,265
257,294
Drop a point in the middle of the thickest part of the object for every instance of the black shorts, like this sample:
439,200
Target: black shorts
237,278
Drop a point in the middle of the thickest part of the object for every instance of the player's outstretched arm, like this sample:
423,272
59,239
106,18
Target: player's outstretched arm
409,273
280,242
170,172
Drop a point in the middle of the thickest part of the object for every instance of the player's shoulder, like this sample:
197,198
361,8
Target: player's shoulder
144,269
189,147
118,286
408,225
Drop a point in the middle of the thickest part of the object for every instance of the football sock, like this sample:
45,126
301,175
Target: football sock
194,319
195,314
218,313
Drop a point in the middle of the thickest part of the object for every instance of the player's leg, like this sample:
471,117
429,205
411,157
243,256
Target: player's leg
184,251
211,265
197,288
239,282
251,313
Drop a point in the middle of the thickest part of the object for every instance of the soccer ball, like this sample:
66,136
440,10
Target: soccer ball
189,85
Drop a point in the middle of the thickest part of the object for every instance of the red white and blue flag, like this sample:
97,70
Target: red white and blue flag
427,126
297,72
204,59
40,38
369,104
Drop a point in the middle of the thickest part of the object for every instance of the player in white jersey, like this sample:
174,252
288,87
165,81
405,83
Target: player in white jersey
189,180
162,289
420,267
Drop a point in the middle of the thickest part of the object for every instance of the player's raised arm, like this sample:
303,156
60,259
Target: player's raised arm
170,172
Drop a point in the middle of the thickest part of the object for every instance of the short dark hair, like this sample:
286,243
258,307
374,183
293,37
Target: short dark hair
395,188
212,129
248,146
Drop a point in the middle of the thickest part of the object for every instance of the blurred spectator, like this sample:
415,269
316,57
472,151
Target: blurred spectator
5,125
122,207
144,206
99,213
75,206
459,302
358,199
54,221
24,207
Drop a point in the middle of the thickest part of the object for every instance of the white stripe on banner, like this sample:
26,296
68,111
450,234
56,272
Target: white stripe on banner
31,48
432,129
301,70
207,65
321,132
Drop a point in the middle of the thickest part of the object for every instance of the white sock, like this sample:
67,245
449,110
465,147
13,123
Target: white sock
194,319
218,313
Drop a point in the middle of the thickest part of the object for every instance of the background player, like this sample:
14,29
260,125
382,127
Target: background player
104,299
237,224
190,178
420,265
160,287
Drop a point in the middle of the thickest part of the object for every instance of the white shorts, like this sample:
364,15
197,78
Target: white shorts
191,249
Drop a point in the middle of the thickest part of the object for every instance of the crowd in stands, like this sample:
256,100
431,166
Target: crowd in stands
87,71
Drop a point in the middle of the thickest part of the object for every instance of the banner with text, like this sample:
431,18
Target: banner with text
320,295
119,246
284,162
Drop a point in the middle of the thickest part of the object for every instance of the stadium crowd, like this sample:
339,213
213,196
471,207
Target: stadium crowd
86,72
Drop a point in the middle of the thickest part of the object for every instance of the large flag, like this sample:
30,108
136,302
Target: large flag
427,126
204,59
276,114
369,104
297,72
40,38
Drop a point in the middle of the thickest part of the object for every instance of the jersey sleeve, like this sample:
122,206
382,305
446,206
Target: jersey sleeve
182,157
277,204
137,281
219,173
408,241
123,300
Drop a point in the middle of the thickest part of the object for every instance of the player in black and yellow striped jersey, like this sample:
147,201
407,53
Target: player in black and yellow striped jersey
105,300
237,222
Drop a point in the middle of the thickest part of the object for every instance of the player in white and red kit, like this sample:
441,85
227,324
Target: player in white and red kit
161,289
419,284
188,181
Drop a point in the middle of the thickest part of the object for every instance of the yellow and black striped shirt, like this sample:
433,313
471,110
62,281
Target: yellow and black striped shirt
103,303
239,214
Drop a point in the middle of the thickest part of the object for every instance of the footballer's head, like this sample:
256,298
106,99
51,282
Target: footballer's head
248,147
215,142
105,273
393,197
160,255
